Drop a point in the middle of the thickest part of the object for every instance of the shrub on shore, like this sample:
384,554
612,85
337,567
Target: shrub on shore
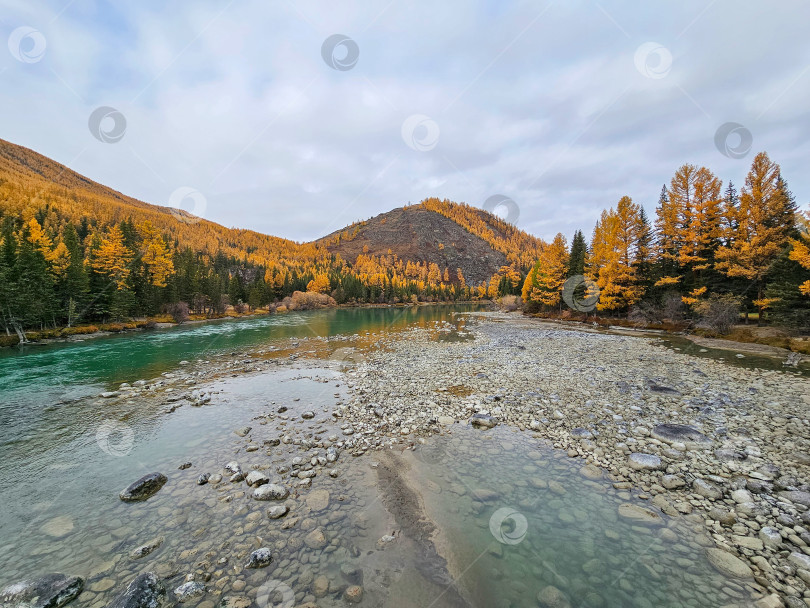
309,300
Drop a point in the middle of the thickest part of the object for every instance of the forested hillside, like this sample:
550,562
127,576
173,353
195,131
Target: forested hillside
72,250
710,251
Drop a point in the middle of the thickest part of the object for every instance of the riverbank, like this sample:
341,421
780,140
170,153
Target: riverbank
702,465
87,332
723,446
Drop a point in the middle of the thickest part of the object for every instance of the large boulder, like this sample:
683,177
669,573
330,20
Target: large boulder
146,591
146,487
48,591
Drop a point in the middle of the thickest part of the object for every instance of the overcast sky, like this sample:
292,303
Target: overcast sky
563,106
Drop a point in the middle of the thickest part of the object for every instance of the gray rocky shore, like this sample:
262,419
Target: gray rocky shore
700,439
723,448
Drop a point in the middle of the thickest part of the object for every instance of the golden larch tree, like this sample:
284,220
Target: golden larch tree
112,258
764,219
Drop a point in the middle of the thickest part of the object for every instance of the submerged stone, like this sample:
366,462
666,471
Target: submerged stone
145,591
146,487
49,591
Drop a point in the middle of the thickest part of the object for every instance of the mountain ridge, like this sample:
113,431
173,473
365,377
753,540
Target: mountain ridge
451,235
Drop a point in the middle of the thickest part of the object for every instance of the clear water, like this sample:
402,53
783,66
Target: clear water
548,525
59,480
40,383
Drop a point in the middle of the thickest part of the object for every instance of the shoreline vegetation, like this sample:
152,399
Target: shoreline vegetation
774,342
163,321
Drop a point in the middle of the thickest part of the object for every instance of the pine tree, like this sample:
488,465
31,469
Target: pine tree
74,287
800,250
579,252
765,221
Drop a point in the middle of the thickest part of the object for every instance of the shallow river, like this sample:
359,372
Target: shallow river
513,517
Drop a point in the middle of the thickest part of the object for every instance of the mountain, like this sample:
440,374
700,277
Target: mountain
420,233
450,235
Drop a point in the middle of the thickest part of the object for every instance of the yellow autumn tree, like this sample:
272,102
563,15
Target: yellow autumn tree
690,228
112,258
614,253
764,220
801,250
320,284
156,256
543,284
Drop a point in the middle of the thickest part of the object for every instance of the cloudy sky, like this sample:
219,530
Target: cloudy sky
254,114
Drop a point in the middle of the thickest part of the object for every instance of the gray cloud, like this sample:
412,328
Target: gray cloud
541,103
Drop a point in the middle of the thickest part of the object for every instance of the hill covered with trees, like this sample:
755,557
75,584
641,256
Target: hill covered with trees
73,250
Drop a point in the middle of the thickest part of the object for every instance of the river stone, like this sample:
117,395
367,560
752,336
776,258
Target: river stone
235,601
551,597
770,537
316,539
144,488
320,586
728,564
741,496
353,594
146,548
318,500
672,482
271,491
58,526
484,495
644,462
800,560
49,591
233,468
679,433
797,497
483,421
256,478
146,591
591,471
707,489
243,431
308,415
640,515
277,511
446,420
260,558
189,591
